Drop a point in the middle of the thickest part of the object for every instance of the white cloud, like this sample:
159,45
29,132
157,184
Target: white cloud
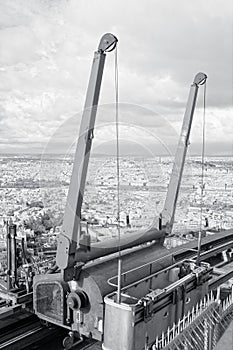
46,50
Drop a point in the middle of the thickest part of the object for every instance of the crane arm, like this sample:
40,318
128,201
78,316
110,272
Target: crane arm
168,213
69,238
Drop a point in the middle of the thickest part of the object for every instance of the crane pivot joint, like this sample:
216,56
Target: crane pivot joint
107,43
200,78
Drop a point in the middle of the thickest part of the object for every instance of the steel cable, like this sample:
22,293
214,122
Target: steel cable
118,175
202,174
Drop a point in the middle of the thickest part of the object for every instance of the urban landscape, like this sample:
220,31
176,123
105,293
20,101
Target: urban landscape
34,190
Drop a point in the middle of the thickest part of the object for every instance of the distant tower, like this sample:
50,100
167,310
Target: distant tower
127,221
160,221
206,222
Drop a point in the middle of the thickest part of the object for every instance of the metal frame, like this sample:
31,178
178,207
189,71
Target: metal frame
69,238
168,213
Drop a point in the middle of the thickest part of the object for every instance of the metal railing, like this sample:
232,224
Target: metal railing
201,328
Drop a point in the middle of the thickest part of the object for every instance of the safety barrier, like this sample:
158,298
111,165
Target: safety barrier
201,328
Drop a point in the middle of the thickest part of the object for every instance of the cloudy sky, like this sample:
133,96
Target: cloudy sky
46,50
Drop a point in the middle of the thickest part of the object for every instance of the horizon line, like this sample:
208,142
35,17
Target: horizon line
109,154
